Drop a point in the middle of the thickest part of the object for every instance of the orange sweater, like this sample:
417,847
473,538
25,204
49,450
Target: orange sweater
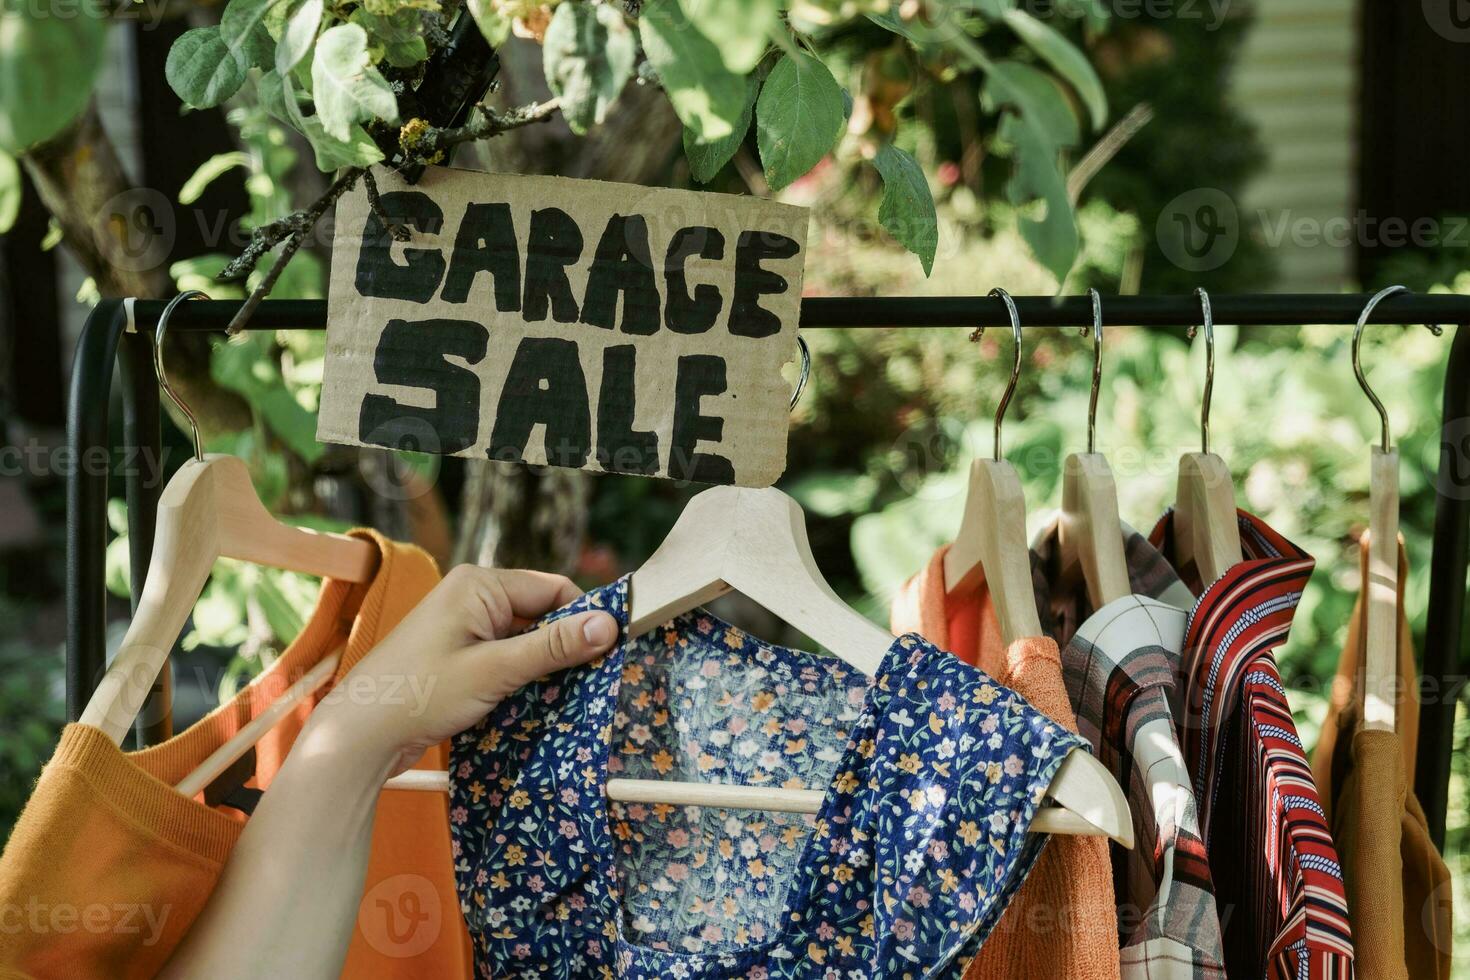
1063,922
109,865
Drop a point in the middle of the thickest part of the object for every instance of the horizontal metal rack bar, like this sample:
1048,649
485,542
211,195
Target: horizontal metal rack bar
1257,309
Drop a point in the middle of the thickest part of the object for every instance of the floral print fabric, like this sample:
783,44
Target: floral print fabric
932,773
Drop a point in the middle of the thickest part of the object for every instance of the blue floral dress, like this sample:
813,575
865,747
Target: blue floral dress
932,774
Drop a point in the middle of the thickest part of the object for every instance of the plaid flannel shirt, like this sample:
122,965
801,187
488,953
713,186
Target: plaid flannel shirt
1120,664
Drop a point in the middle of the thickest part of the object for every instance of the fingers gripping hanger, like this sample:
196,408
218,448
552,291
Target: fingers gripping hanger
1206,531
991,543
754,541
209,510
1090,531
1379,687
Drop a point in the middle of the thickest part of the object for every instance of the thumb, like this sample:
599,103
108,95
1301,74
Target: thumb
567,642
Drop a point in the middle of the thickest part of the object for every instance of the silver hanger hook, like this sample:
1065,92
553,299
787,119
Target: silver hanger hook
163,382
806,371
1204,410
1005,399
1097,338
1386,441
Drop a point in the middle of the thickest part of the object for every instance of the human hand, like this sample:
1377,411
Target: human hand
456,656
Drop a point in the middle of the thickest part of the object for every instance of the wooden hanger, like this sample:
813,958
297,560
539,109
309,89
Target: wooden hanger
209,510
1206,529
1378,687
991,542
754,541
1090,531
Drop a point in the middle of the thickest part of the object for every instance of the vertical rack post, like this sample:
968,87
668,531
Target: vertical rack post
143,473
1442,671
86,501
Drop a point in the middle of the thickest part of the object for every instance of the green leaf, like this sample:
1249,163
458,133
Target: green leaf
1065,59
249,368
201,68
706,160
301,279
706,96
798,119
358,150
1038,98
242,28
907,209
890,20
740,29
298,33
400,35
1053,236
117,515
48,63
491,22
829,494
118,567
200,272
588,57
11,190
283,617
209,171
346,88
259,48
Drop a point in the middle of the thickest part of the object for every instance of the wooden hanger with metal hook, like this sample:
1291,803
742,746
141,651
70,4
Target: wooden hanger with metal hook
1378,688
1090,531
1206,530
991,541
209,510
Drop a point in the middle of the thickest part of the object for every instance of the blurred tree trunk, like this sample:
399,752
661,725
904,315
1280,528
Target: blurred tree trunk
513,515
122,235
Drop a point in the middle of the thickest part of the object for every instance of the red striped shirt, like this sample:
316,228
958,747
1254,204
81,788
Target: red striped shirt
1278,882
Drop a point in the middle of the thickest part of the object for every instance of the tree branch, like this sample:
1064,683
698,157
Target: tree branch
421,143
375,204
296,224
292,229
426,144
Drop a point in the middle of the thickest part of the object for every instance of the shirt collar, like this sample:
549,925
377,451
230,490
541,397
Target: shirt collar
1258,543
1065,606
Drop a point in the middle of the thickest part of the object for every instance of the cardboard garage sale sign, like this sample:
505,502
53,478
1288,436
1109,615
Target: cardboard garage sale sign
575,323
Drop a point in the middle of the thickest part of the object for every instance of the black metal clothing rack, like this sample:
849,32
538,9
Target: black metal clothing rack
118,333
